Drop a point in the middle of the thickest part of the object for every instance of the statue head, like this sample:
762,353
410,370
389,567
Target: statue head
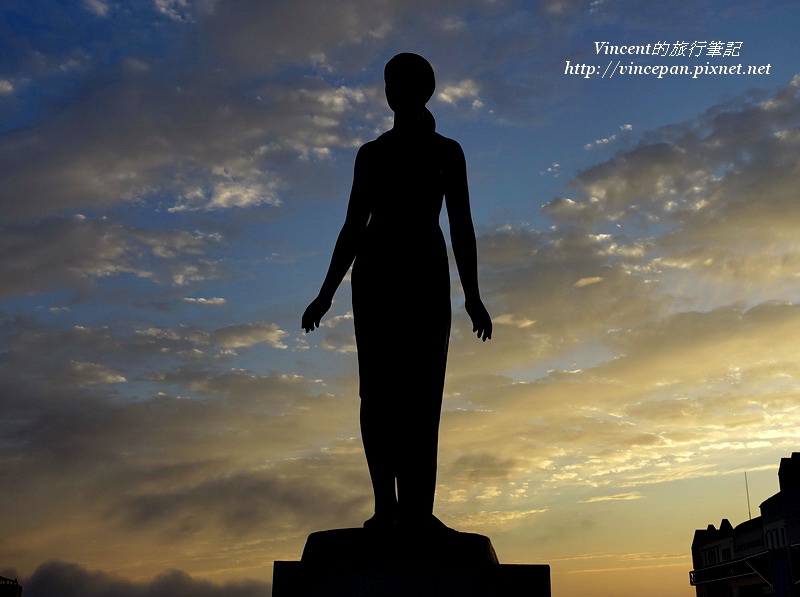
410,82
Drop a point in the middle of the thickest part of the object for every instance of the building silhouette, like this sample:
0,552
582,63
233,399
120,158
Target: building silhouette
9,587
758,557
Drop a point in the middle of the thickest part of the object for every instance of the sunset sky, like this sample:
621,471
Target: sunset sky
173,175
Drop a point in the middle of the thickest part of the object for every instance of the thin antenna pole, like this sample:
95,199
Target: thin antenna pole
747,489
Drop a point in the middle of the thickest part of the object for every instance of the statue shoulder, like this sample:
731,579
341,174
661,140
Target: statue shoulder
374,146
449,149
451,146
368,146
368,149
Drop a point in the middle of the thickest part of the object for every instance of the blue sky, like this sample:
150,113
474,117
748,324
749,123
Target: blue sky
173,177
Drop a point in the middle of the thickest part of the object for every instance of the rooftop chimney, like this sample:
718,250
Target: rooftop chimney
789,472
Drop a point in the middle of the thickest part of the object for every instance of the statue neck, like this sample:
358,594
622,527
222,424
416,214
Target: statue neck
414,121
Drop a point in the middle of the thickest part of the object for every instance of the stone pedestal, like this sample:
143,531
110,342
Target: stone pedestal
356,563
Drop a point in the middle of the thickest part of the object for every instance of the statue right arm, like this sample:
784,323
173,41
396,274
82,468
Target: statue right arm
344,252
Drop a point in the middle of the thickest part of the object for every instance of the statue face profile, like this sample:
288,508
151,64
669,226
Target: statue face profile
410,82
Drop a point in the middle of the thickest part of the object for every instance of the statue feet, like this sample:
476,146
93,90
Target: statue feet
426,525
408,525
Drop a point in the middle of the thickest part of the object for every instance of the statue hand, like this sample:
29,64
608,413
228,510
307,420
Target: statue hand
481,320
314,312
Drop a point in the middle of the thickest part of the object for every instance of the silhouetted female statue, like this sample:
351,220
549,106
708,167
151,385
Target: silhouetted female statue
401,292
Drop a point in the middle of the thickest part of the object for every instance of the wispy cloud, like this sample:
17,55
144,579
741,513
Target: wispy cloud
614,498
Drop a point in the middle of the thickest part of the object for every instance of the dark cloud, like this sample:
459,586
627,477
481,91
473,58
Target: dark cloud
484,467
550,292
177,468
72,580
723,178
191,145
56,355
71,252
245,504
143,125
704,344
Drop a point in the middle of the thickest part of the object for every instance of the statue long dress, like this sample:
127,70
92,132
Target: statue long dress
401,310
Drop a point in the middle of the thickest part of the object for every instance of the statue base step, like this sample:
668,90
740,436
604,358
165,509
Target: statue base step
296,579
358,562
366,548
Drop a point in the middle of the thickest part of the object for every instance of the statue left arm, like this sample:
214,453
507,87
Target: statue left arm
462,234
